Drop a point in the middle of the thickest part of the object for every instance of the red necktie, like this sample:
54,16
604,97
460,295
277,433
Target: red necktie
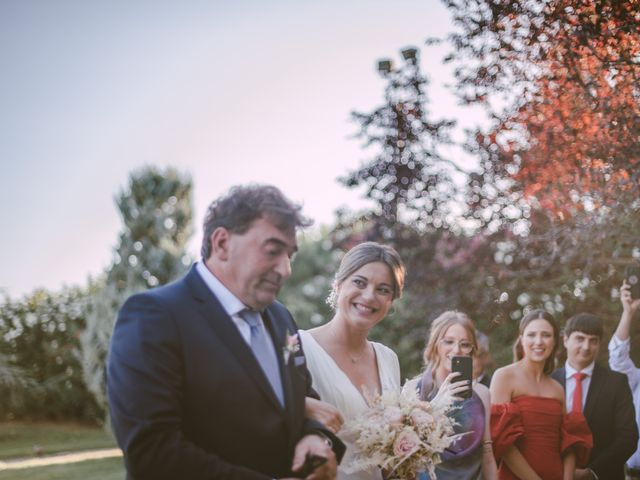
577,392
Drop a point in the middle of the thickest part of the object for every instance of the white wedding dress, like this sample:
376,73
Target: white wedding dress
334,387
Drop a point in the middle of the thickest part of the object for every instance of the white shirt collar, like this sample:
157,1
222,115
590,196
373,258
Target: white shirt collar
231,304
569,370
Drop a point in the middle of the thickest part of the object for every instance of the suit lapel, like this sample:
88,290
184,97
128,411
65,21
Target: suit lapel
211,309
561,376
595,387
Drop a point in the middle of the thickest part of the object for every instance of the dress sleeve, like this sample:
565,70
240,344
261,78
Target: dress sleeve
576,435
506,427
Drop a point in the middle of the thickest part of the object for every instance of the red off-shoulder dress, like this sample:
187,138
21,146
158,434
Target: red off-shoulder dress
541,431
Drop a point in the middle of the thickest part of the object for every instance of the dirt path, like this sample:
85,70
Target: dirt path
60,459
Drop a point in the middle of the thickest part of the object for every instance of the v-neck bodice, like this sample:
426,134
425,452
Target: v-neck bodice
334,386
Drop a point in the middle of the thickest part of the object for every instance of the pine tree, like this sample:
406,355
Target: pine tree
407,178
156,210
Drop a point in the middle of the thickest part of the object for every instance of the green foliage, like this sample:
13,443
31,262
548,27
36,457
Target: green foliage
306,291
157,213
39,342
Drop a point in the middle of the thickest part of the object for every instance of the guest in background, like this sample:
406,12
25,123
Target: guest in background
603,396
345,366
482,360
533,437
471,456
620,361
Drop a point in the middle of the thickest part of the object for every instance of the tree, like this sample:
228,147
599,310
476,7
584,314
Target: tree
157,213
553,206
306,291
407,178
558,190
567,142
417,211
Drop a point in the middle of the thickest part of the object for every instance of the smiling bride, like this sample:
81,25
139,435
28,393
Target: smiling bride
344,364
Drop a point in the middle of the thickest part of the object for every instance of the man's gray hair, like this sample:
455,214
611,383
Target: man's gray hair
244,204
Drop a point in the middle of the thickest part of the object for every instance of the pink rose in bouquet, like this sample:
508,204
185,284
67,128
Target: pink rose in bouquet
407,442
400,434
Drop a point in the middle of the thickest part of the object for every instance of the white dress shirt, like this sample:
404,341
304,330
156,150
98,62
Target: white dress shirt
231,304
620,361
570,384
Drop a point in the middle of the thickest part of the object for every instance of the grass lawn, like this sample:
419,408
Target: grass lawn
19,440
107,469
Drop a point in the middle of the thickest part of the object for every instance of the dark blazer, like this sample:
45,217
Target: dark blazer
486,379
611,418
188,398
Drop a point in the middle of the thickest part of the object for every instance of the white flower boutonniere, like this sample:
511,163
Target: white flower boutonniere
291,346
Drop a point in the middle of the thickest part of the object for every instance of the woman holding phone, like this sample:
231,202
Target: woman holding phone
452,339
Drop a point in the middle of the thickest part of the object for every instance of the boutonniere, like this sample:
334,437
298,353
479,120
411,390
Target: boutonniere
291,346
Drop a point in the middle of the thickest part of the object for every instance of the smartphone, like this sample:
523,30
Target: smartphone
311,462
632,274
463,365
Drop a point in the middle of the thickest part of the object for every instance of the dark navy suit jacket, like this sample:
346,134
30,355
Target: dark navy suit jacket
187,397
611,418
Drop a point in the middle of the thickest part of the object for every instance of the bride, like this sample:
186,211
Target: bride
343,363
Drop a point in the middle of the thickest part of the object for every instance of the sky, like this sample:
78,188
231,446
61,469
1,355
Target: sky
229,92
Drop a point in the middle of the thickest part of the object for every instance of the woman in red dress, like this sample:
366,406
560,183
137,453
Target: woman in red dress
533,437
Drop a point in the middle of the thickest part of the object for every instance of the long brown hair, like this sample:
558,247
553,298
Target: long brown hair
538,314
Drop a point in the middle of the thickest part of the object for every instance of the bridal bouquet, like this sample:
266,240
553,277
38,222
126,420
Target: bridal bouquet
401,434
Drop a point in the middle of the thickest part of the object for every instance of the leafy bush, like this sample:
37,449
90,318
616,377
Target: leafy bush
41,374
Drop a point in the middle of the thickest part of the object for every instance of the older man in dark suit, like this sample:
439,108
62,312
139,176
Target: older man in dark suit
206,378
602,395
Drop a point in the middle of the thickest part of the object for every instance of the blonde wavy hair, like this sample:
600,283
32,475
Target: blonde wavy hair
439,328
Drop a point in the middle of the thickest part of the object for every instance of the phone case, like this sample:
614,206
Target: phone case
464,365
632,274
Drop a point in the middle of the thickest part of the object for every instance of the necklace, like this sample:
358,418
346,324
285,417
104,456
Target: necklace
355,360
352,358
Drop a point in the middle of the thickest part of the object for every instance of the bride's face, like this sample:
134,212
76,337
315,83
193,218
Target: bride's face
456,341
364,297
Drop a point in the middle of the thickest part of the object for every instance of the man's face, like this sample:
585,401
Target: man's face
582,349
258,262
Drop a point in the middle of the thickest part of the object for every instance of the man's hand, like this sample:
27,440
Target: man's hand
324,412
317,445
629,305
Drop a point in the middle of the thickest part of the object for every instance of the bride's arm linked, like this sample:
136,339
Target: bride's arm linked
325,413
